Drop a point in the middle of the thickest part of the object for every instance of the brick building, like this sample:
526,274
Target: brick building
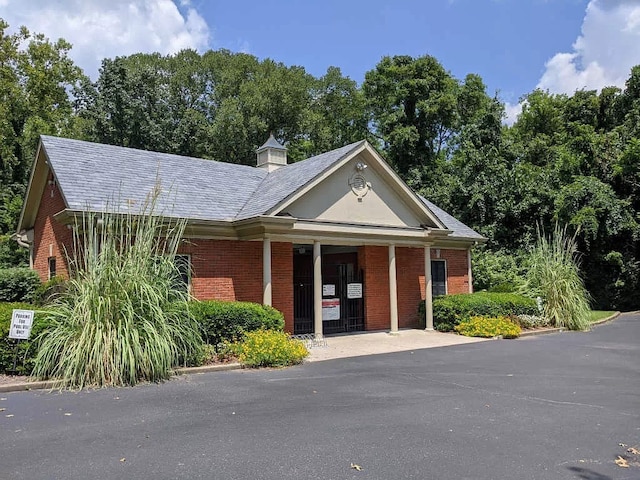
337,242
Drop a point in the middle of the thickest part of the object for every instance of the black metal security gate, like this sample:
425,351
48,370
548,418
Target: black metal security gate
302,291
343,293
351,309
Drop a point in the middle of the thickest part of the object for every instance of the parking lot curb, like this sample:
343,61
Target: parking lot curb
533,333
26,386
53,384
608,319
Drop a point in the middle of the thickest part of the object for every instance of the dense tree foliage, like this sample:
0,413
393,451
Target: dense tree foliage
38,86
571,160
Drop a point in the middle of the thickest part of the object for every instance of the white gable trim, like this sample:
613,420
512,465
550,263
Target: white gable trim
35,188
411,199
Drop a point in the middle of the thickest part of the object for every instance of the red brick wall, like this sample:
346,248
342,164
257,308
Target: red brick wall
232,270
410,273
225,269
457,269
374,261
410,282
282,281
49,235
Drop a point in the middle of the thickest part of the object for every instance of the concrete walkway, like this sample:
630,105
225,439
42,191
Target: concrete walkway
356,345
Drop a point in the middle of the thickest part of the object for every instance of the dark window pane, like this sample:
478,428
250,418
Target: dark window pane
438,278
52,267
183,263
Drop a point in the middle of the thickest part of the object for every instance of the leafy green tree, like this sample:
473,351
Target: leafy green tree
38,83
336,116
414,109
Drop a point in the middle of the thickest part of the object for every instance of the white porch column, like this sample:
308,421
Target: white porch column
469,272
266,272
393,289
317,290
428,293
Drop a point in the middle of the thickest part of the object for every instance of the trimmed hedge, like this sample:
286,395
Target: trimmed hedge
18,284
228,321
450,310
27,349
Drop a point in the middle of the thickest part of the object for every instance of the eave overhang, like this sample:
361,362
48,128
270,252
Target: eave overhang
290,229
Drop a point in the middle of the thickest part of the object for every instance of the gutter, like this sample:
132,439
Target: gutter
25,240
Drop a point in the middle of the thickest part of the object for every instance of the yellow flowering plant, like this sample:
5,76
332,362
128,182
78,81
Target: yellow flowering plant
269,348
488,327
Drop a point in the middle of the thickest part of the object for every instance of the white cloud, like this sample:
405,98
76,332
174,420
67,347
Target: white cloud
99,29
604,52
511,112
601,56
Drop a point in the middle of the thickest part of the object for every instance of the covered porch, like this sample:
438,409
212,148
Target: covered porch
346,286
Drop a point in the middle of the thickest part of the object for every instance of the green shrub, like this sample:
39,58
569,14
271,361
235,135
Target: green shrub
488,327
12,254
27,349
450,310
48,291
228,321
122,318
530,321
506,287
497,271
554,275
18,284
207,355
270,348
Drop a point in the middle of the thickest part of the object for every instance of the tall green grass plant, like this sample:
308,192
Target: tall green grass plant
554,275
123,317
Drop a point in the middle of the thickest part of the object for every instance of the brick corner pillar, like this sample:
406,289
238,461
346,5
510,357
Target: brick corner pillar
469,274
428,292
393,290
267,295
317,289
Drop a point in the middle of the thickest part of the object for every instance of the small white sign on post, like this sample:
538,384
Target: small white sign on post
328,290
21,322
354,290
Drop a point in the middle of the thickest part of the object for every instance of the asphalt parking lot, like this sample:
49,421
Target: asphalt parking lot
561,406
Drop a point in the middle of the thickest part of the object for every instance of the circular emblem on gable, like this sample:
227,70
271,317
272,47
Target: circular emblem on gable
359,185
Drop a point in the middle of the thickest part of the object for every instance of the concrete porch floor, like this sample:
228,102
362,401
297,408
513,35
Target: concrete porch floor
372,343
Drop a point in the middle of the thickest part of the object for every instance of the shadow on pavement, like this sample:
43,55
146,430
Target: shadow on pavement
586,474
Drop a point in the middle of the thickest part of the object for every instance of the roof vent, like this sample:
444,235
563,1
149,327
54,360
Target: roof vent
272,155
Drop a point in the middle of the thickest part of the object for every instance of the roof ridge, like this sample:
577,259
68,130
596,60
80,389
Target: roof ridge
151,152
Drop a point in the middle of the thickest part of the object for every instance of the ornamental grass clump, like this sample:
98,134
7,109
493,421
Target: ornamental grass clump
554,275
123,317
270,348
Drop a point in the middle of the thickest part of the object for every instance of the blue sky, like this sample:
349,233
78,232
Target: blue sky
506,42
515,45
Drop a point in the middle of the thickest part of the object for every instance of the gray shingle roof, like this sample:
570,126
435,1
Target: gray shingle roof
459,229
93,176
